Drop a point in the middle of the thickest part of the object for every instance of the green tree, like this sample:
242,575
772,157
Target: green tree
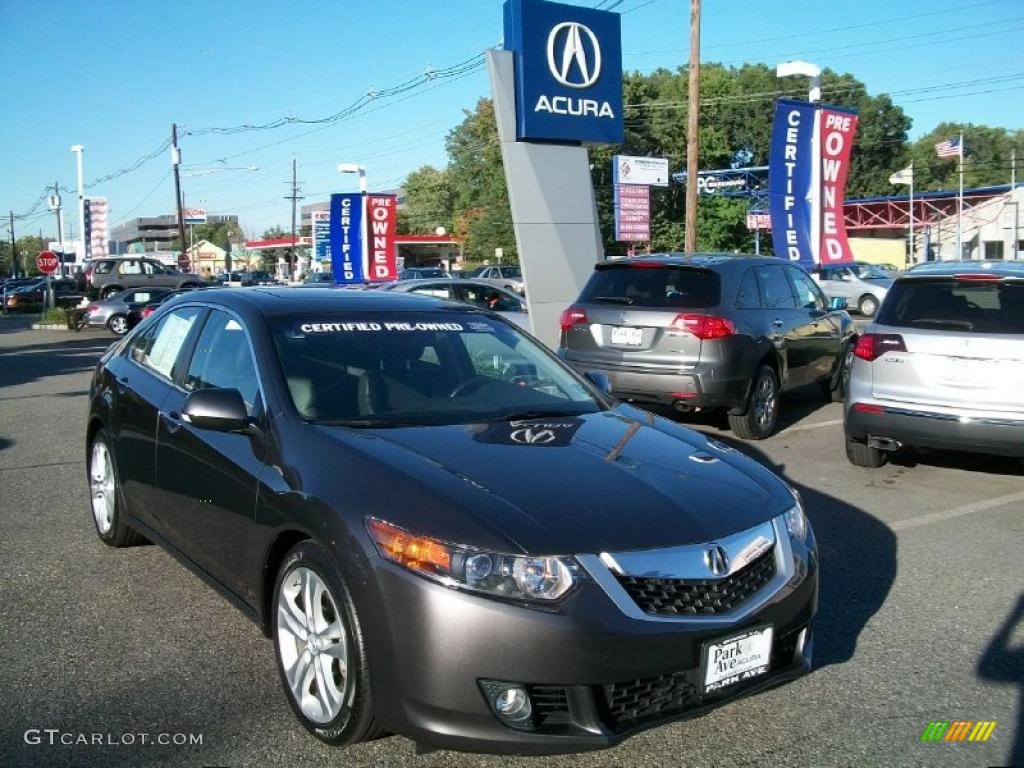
987,155
429,202
268,258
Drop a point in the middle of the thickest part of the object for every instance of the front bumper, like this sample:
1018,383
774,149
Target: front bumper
595,675
939,428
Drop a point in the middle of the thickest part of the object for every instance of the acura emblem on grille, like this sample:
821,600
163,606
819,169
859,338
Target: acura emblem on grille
717,561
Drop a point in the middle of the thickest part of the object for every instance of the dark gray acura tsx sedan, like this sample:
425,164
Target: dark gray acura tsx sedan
446,532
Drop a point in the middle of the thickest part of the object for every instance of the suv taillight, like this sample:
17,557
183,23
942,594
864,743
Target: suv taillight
872,346
572,316
704,327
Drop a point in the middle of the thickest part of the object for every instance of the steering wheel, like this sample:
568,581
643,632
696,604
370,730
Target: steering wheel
469,385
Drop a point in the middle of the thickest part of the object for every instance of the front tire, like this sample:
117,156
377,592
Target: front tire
762,410
867,305
107,510
320,650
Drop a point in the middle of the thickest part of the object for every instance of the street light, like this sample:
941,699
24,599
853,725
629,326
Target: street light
813,71
353,168
78,149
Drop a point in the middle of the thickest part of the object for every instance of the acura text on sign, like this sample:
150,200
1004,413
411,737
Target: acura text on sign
568,62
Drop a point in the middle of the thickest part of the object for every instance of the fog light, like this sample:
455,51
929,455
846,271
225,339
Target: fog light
513,704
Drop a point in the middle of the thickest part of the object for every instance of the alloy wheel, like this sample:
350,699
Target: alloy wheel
102,486
312,646
766,402
119,325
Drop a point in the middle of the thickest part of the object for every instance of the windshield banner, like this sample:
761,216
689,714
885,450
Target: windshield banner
791,161
837,131
347,238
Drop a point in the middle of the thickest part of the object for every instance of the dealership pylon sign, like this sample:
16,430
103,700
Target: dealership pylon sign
807,207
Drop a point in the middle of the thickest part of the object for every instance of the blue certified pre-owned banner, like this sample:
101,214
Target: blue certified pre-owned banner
347,238
791,161
568,62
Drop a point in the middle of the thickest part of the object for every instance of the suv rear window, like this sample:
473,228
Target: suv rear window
962,306
659,286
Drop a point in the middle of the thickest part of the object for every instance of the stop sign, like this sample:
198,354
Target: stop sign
47,262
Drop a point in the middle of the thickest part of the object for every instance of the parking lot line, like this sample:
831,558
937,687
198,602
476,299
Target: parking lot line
966,509
815,425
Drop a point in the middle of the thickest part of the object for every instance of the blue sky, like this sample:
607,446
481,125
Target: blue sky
113,76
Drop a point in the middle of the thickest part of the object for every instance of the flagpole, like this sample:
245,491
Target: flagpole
960,201
912,255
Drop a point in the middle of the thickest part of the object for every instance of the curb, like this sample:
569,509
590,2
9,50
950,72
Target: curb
49,327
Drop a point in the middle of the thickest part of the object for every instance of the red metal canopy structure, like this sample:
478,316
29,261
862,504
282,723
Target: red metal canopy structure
929,208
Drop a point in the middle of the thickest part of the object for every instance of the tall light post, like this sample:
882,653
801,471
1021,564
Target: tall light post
78,149
363,229
812,71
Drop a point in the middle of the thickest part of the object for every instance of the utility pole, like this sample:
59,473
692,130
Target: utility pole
176,161
14,255
294,197
693,130
60,226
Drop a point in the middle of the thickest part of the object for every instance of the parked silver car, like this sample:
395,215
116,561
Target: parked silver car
863,285
474,292
116,312
510,278
942,366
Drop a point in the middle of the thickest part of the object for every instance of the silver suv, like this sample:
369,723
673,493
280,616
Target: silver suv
107,276
942,366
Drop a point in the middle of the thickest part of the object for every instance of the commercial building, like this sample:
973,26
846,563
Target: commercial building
153,233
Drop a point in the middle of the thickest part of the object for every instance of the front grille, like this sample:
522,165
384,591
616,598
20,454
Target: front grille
635,702
689,597
550,706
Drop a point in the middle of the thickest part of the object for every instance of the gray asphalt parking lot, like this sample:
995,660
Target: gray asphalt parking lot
921,616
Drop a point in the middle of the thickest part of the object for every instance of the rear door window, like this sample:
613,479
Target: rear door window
161,353
776,292
964,306
748,296
670,287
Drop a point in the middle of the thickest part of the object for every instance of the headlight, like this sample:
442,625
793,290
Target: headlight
515,577
796,520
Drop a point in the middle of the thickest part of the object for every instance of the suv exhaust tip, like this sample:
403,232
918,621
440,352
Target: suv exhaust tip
884,443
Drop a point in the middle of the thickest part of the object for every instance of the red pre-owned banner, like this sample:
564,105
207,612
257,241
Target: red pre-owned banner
381,223
837,131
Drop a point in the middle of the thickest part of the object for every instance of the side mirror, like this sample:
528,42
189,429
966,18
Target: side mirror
837,302
600,380
220,410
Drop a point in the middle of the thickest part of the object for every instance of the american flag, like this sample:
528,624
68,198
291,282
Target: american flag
948,148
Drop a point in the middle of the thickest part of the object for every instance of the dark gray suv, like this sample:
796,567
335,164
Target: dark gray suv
709,331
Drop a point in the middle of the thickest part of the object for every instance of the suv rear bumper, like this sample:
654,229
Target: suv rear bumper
705,386
923,427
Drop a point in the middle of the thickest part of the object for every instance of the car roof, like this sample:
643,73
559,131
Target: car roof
944,268
706,260
277,301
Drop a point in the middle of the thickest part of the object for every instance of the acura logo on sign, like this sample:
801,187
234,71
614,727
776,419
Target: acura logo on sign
717,561
530,436
580,62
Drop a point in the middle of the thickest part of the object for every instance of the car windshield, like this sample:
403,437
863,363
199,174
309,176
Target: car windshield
384,369
870,272
964,306
660,286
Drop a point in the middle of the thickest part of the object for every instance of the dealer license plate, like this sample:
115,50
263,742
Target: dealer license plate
629,337
737,658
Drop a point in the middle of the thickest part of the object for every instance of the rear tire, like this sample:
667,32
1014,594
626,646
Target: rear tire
118,325
762,409
322,645
108,514
867,305
863,455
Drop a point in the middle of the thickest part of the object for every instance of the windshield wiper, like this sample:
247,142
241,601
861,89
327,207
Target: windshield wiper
368,423
537,414
943,321
613,299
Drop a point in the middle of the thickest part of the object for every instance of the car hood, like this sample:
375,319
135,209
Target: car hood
603,482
